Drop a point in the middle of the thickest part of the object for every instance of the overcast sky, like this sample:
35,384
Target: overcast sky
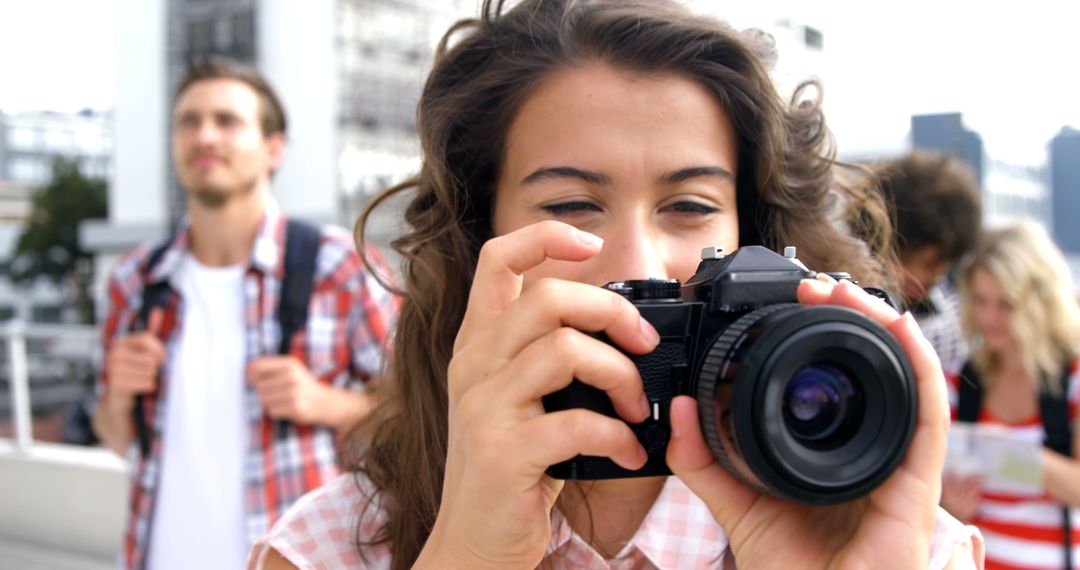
56,54
1011,69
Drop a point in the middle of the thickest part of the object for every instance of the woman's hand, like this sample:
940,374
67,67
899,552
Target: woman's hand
892,527
960,495
514,347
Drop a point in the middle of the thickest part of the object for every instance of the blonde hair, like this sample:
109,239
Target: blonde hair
1036,282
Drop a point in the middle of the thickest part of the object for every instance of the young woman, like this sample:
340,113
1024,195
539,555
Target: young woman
1023,322
568,144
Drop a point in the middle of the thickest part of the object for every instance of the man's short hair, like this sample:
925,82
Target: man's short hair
203,67
934,201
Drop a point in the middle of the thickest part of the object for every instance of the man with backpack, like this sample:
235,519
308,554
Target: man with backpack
238,349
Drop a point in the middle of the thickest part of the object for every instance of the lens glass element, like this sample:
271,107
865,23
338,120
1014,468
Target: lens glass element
819,402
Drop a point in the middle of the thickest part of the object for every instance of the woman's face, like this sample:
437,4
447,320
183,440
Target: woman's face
991,310
647,162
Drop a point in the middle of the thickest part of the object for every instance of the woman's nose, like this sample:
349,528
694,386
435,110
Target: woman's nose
635,253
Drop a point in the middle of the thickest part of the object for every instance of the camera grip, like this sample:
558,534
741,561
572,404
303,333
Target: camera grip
662,373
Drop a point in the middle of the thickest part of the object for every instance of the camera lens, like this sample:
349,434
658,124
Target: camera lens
820,406
815,404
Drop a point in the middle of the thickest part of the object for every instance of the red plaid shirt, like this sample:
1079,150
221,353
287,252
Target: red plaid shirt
343,343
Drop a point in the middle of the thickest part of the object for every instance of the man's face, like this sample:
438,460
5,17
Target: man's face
219,149
922,268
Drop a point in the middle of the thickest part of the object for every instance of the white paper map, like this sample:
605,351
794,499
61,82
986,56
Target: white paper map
1005,461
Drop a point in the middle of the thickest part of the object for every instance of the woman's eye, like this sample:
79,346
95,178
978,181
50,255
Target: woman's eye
688,207
568,208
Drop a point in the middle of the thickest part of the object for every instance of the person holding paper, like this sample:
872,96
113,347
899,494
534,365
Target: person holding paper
1023,378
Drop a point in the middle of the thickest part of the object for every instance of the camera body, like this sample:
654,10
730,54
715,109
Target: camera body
815,404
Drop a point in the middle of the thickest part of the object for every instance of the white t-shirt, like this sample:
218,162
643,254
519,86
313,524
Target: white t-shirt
198,519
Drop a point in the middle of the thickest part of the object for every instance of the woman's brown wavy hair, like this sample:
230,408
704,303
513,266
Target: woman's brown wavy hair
483,70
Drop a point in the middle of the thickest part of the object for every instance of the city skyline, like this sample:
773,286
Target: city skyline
1005,70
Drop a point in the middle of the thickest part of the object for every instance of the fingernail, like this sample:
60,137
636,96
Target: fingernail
646,407
826,278
818,285
674,420
643,456
591,240
648,331
915,330
910,324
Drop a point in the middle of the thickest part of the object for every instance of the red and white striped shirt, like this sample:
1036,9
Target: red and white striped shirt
1024,531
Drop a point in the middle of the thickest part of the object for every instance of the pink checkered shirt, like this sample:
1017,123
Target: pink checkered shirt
319,533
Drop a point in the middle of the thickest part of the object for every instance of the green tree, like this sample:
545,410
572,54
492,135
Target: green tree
49,244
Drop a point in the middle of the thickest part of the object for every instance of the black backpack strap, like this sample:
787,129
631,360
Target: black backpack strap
154,295
1055,416
1059,437
301,250
970,395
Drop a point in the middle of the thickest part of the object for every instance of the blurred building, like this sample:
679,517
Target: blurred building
349,73
1065,181
946,133
1009,189
29,142
1012,189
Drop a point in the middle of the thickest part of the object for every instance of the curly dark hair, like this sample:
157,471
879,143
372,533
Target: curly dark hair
934,201
785,193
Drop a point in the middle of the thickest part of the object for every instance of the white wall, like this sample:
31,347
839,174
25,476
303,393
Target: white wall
137,192
64,507
296,47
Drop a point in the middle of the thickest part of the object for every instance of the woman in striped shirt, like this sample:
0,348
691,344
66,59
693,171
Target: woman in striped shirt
1022,319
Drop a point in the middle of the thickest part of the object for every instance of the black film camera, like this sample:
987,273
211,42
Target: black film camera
814,404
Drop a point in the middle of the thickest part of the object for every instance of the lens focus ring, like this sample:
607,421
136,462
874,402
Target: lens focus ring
715,368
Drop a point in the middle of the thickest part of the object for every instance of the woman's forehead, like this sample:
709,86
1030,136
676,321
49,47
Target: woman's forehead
593,110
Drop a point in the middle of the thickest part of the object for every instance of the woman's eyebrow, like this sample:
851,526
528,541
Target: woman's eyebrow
682,174
593,177
555,172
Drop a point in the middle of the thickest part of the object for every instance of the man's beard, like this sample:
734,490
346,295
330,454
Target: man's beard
215,198
210,199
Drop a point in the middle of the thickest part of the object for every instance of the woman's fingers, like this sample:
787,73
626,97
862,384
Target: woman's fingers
559,436
926,454
552,303
504,259
814,292
692,461
553,361
845,294
548,305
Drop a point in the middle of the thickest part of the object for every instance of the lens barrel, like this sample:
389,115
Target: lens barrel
816,404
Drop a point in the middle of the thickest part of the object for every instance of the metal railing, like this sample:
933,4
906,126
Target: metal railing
16,333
